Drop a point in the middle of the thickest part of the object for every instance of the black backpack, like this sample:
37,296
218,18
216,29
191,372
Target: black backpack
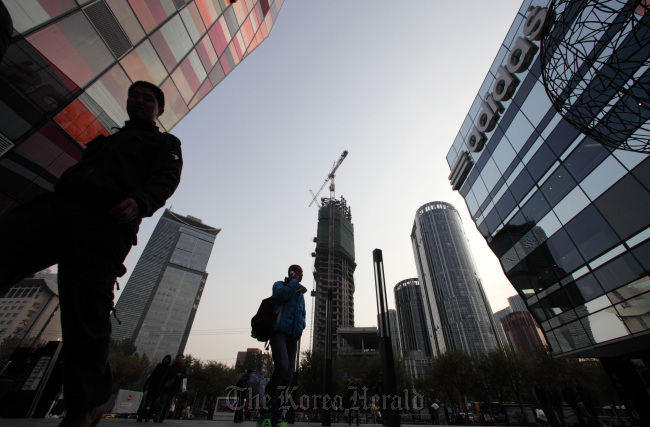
262,322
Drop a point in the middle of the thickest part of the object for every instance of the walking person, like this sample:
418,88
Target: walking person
352,400
242,387
152,388
87,225
289,303
172,384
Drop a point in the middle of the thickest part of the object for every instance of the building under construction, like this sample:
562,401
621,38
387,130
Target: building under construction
335,269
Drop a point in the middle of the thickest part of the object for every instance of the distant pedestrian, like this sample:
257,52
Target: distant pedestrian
242,387
351,400
172,384
152,388
289,303
433,410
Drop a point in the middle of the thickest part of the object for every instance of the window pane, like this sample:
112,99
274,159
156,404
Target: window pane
143,64
637,287
592,233
634,313
605,325
622,204
564,253
585,158
175,107
193,22
152,13
27,14
110,92
558,185
619,272
172,42
74,47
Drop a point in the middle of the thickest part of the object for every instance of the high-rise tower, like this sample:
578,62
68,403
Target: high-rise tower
411,315
64,78
342,270
158,303
458,312
414,333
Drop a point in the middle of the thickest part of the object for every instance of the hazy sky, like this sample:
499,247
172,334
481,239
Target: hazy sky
391,82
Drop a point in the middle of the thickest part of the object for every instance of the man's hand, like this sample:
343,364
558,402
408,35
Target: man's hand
125,211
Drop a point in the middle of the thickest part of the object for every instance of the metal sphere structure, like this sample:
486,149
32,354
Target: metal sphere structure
595,62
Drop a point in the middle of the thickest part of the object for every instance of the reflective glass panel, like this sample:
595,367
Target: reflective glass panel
110,91
172,42
189,76
637,287
537,104
573,336
558,185
152,13
27,14
220,36
583,290
621,205
585,158
209,10
564,253
74,47
193,23
618,272
571,205
143,64
519,131
175,107
591,233
634,313
605,325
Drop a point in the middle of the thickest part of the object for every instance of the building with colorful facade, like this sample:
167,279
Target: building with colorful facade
64,78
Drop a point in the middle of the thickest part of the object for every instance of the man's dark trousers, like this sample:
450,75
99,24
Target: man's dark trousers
89,247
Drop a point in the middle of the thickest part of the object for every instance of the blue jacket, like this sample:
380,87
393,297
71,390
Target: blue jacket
292,319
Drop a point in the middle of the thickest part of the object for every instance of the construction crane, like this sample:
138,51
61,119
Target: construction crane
330,179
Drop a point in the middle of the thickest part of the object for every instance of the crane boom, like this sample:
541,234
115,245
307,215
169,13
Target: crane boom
329,178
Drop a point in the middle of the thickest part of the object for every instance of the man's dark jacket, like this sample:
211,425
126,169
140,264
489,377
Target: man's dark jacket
138,161
154,381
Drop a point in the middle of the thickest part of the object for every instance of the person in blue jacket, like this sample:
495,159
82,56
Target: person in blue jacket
289,303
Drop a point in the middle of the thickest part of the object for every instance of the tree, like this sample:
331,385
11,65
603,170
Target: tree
207,379
129,369
453,374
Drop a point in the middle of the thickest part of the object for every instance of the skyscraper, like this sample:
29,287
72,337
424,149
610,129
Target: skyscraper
339,264
158,303
64,78
414,333
411,317
565,214
458,313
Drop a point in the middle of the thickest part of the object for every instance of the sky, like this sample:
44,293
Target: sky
391,82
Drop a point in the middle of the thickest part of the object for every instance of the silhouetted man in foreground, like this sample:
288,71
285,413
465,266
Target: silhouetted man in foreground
87,226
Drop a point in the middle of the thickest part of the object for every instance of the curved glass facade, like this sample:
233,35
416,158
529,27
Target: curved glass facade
458,312
411,318
565,215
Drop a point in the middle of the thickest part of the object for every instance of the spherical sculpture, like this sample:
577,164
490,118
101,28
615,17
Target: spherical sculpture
596,69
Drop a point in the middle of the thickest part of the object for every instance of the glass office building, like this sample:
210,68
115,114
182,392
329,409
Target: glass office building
64,78
157,306
457,311
566,216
